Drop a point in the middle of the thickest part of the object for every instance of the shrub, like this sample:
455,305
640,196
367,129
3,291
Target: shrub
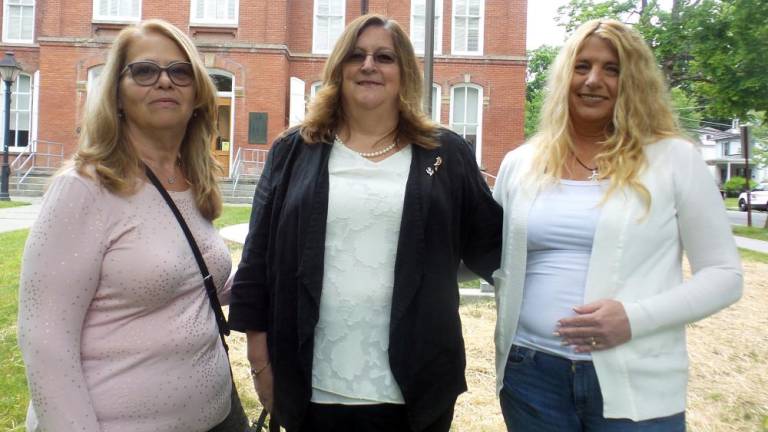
735,186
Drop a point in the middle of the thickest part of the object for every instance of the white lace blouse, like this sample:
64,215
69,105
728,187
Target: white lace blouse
365,206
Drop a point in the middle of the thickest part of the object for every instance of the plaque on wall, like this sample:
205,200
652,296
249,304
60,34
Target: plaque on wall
257,128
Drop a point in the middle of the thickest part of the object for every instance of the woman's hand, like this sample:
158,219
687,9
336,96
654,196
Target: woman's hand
261,369
598,326
263,383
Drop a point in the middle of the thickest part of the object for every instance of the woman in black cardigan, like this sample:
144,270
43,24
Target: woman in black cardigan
347,288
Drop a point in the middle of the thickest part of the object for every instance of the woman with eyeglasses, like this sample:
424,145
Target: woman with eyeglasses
115,326
347,286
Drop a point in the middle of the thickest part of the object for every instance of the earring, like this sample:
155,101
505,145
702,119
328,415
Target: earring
120,113
194,113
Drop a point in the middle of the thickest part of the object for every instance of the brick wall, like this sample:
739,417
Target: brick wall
272,42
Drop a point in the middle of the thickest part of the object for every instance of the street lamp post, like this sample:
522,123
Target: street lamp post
9,71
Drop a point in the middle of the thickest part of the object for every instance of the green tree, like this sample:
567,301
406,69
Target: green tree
714,51
539,62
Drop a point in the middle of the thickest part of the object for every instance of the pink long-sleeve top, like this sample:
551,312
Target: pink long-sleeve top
115,328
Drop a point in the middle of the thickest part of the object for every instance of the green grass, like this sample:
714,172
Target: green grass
749,255
233,215
757,233
13,382
9,204
732,203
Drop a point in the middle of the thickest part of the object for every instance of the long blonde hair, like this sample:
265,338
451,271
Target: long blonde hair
104,153
326,114
642,115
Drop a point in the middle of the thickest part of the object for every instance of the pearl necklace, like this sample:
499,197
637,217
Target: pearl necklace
367,155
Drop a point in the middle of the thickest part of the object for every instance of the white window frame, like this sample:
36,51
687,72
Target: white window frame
436,102
15,111
314,88
7,16
115,18
231,96
481,30
205,21
438,48
479,140
315,47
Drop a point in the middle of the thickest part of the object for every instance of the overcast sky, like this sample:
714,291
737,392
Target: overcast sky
542,27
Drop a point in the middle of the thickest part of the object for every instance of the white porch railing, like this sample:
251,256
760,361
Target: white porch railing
248,163
38,154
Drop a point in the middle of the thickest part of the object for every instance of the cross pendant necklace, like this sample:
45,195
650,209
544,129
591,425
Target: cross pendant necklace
595,176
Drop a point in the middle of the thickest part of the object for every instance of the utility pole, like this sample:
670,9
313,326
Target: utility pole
363,7
429,50
744,130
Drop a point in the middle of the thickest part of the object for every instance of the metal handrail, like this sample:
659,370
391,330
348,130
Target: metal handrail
247,161
31,155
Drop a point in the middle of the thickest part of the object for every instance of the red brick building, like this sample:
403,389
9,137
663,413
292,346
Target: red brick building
266,57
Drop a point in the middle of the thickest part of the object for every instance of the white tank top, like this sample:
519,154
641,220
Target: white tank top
561,228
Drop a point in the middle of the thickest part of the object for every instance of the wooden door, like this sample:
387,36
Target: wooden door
221,145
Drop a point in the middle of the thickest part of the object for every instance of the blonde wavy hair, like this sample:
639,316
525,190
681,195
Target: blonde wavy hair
642,114
326,114
104,153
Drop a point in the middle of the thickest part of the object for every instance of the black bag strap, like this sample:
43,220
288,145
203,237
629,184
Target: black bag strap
210,288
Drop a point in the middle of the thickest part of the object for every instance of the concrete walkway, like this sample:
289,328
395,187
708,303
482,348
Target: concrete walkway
16,218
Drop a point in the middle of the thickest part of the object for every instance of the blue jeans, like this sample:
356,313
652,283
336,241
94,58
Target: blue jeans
545,393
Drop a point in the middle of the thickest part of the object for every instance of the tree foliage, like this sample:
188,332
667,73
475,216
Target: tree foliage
539,61
714,51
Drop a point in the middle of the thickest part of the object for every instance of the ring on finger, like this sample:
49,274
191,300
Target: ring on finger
593,341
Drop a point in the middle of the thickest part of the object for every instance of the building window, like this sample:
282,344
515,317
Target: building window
314,88
21,112
19,21
468,25
466,114
116,10
436,103
327,25
733,148
214,12
418,31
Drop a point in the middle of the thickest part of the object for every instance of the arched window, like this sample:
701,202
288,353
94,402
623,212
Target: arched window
466,117
222,80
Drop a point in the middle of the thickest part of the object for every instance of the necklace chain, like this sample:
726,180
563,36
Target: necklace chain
595,174
171,179
367,155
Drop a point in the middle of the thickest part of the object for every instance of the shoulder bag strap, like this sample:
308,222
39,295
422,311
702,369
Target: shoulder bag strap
210,288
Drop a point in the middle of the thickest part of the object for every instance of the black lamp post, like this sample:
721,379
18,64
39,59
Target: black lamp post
9,71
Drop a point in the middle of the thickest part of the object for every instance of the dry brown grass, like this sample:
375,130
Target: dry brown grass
728,388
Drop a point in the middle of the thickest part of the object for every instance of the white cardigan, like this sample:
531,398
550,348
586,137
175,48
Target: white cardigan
636,260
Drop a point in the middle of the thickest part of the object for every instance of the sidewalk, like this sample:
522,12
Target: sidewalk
15,218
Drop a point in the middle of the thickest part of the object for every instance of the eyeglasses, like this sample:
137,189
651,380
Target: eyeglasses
359,56
146,73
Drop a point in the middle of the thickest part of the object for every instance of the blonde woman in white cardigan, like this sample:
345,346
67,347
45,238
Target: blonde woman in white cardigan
599,208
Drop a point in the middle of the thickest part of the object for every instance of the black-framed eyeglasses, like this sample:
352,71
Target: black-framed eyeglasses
382,57
147,73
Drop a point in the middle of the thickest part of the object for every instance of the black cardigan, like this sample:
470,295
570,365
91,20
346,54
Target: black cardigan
448,216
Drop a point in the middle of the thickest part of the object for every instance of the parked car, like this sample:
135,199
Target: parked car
758,197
